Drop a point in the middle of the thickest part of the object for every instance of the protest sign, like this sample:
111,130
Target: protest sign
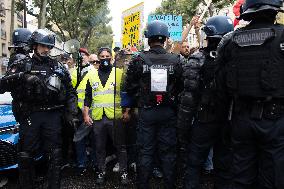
132,20
174,23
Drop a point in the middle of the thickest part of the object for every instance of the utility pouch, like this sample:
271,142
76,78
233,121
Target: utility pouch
205,114
273,111
256,110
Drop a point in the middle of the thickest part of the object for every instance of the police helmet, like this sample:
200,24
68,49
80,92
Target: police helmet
157,28
20,37
217,26
253,6
44,37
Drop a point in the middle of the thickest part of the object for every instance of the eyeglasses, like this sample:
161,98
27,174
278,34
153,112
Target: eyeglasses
94,62
83,54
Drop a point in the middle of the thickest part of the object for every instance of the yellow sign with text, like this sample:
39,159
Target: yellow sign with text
131,30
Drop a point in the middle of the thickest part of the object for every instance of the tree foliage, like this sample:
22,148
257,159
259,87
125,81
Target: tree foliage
85,20
188,8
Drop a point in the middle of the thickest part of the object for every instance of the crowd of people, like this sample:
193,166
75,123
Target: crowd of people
215,109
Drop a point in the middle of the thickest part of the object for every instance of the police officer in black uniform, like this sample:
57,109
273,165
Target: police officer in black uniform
202,107
154,81
20,48
46,94
251,73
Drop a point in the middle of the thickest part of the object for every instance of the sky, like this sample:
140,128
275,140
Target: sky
118,6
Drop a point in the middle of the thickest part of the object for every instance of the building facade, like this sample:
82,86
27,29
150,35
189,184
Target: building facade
5,33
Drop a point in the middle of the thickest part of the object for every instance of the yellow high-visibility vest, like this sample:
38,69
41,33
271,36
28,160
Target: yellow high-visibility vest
103,99
82,86
73,74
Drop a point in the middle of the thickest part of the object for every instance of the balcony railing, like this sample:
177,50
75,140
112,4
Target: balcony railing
19,17
3,34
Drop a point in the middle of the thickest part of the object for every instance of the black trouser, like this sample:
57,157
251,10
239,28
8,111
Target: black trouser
102,129
156,132
41,131
203,137
183,135
258,152
68,147
130,136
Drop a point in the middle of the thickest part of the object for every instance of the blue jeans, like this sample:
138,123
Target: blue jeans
208,165
81,152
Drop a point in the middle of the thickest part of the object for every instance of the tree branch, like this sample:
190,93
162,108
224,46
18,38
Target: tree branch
66,16
56,22
80,2
88,33
31,13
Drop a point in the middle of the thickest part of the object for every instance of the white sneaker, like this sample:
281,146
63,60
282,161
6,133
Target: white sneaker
133,167
65,165
3,181
116,168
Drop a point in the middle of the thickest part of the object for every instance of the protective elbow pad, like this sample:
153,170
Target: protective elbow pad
190,85
187,100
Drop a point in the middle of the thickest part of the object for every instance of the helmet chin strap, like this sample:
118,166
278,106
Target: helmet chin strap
42,58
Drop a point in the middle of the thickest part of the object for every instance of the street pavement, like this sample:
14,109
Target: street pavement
70,180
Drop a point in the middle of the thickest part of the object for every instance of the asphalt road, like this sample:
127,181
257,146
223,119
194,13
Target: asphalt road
70,180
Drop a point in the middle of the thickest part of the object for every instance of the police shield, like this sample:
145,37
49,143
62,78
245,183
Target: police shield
121,100
71,46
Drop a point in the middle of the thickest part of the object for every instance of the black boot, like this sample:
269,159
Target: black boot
157,173
100,178
124,180
143,177
26,171
54,171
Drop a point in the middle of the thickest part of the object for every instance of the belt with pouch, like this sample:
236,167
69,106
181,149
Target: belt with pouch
259,108
47,108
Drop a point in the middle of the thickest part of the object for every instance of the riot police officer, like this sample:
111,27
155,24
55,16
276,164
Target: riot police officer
202,107
46,95
153,80
251,73
20,47
19,54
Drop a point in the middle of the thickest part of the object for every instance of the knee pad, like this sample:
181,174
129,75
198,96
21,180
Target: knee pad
25,160
279,171
56,155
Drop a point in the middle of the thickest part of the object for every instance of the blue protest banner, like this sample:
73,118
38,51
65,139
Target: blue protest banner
174,23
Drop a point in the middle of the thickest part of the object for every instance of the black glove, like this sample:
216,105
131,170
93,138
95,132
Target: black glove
71,120
32,79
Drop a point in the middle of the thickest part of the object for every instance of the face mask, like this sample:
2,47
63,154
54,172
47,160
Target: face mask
212,44
105,62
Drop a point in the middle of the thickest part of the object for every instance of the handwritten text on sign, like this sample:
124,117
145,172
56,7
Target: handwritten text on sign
174,23
131,30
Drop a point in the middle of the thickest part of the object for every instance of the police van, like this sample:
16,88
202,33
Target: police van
9,135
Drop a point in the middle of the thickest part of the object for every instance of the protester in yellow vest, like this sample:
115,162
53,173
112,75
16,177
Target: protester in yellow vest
103,97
